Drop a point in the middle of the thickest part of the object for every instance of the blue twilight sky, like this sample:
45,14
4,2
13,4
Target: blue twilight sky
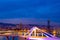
33,9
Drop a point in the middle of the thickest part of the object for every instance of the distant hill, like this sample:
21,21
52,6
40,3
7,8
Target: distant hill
7,25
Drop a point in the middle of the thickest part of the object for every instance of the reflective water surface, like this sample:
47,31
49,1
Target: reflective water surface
16,38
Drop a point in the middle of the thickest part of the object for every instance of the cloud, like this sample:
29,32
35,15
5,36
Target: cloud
29,21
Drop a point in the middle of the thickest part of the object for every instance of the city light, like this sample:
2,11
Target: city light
36,38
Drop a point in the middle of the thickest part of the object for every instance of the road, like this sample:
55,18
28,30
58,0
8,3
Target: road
45,39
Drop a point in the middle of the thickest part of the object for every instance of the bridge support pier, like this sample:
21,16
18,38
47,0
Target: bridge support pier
35,33
7,37
13,37
42,35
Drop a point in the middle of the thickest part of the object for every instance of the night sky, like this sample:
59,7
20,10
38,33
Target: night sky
30,11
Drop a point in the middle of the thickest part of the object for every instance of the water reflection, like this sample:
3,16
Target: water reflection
10,38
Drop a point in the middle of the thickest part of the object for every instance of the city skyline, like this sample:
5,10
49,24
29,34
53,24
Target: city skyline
29,21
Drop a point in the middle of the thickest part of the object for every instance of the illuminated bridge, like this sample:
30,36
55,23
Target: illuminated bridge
34,33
